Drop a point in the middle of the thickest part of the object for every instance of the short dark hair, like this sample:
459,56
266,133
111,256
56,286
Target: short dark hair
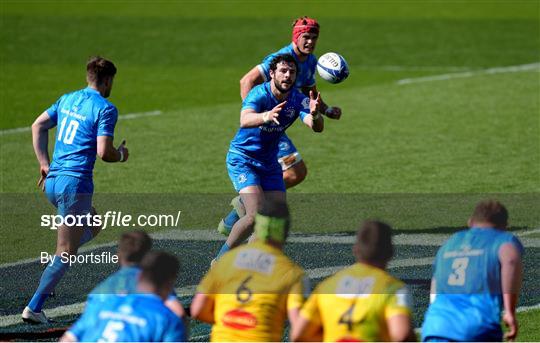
288,58
98,69
374,242
159,268
491,211
134,245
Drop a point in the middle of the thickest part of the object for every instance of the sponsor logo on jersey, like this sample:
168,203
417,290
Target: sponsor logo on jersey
351,287
239,319
256,260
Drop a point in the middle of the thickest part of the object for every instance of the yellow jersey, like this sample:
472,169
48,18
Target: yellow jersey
253,287
353,304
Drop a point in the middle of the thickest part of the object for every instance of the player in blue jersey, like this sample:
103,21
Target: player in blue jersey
132,247
86,122
478,273
267,111
139,317
304,39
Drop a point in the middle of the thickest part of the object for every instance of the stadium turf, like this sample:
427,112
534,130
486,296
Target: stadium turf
441,109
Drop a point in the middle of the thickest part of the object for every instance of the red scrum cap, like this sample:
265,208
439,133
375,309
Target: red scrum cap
303,25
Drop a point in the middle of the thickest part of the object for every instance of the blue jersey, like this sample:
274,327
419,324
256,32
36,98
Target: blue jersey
468,301
305,76
122,282
261,143
80,117
129,318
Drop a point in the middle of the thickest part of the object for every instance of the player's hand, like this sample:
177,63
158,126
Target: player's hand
273,114
314,103
124,153
333,112
43,172
511,323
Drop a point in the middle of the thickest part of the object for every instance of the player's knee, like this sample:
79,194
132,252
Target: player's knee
295,175
250,219
66,247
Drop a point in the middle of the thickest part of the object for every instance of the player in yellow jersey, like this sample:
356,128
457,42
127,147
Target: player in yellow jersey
362,302
250,291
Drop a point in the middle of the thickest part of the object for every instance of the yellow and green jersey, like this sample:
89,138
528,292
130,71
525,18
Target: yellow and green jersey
354,304
253,287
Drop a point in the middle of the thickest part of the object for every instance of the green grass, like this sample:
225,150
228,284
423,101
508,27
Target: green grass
418,155
528,326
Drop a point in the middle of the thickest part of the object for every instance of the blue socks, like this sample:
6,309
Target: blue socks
52,275
49,279
231,219
223,250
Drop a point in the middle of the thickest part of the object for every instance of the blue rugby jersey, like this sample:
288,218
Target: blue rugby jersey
81,117
261,143
305,77
129,318
468,301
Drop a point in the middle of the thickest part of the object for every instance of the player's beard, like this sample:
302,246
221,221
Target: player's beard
281,89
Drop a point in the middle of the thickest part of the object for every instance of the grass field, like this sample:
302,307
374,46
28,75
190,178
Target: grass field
442,108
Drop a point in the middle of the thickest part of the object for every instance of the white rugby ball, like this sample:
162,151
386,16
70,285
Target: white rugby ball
332,67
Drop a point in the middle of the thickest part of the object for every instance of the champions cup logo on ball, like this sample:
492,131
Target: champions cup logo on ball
332,67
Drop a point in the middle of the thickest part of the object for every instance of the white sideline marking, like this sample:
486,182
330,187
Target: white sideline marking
120,117
315,273
423,239
496,70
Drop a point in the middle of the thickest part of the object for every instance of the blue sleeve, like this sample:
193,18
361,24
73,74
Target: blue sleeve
172,296
303,104
176,332
264,67
53,110
253,101
107,122
78,329
313,66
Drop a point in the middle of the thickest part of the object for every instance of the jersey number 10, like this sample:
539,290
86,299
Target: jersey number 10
70,131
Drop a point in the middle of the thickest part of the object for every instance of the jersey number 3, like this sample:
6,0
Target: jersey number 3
70,131
459,266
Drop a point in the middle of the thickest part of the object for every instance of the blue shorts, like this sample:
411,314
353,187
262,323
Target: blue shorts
244,171
288,156
70,194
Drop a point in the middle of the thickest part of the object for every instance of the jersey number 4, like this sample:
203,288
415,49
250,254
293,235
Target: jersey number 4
347,318
71,130
459,267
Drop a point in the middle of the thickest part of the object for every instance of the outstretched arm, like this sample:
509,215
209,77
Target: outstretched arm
315,120
332,112
250,118
40,140
250,80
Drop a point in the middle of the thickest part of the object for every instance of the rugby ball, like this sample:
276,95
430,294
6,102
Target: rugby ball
332,67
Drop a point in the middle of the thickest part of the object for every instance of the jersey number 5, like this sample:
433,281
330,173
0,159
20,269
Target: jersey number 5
70,131
459,266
